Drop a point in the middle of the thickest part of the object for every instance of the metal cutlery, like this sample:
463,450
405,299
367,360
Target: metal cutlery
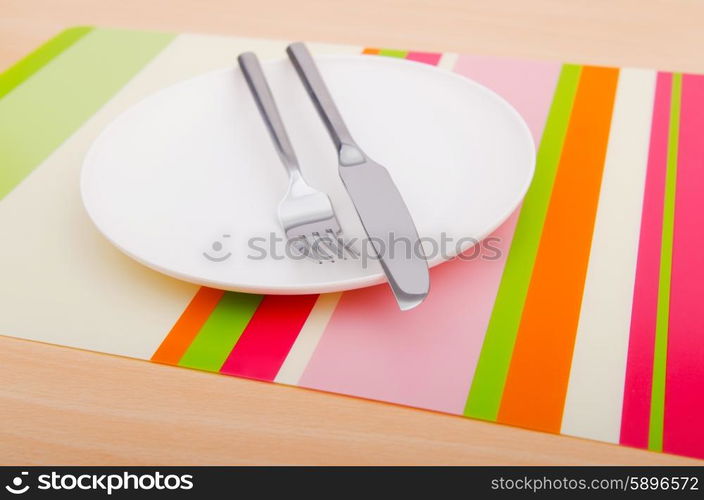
376,198
306,214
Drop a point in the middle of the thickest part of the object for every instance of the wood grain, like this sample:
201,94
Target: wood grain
64,406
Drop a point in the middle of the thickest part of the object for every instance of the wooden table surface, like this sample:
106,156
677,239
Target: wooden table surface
65,406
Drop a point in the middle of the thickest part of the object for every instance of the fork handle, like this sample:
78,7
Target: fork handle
313,81
254,75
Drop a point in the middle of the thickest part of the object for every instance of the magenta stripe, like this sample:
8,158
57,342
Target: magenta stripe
684,389
426,357
425,57
639,371
264,344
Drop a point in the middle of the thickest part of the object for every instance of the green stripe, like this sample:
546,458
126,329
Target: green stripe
393,53
32,63
492,367
657,400
221,331
37,116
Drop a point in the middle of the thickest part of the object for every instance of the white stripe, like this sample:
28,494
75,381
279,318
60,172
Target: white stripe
595,391
448,61
326,48
303,348
62,282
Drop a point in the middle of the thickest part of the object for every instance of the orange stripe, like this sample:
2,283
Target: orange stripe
374,52
537,380
188,325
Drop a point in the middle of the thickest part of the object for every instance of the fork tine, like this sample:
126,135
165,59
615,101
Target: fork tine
328,239
303,247
299,245
317,251
340,245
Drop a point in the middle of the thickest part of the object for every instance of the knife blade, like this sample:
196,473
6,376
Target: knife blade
377,200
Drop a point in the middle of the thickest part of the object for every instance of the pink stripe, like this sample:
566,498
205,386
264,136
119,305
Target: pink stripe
527,85
639,371
684,389
425,57
423,357
264,344
426,357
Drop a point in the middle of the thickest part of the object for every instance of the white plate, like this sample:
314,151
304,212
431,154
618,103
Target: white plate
190,171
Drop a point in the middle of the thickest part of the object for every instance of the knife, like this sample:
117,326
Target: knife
376,198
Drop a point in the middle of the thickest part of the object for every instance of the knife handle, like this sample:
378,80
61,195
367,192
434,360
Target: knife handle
256,80
314,84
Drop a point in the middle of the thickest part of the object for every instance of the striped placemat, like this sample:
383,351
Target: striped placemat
588,323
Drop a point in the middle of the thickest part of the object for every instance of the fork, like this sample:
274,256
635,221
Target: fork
305,213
